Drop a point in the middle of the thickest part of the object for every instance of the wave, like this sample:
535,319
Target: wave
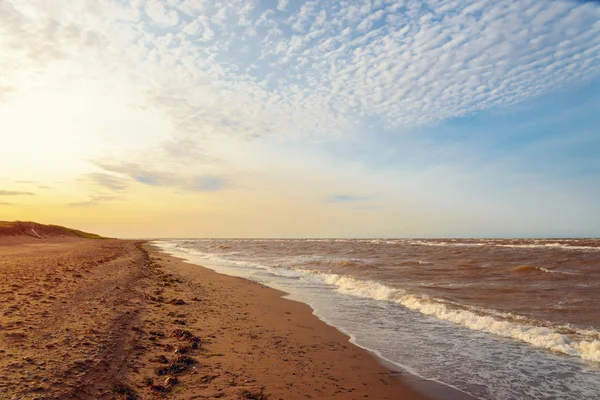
537,336
529,268
410,263
346,263
446,244
553,245
560,246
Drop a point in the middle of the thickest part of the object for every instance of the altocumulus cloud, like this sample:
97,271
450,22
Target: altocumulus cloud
310,68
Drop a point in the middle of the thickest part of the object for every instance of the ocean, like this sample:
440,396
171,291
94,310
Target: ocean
499,319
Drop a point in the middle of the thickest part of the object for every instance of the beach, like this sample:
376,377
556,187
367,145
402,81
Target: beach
111,319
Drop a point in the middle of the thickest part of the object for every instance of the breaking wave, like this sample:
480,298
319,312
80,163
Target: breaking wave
410,263
529,268
538,336
488,243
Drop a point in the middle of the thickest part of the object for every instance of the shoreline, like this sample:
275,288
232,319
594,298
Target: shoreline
118,319
312,359
425,388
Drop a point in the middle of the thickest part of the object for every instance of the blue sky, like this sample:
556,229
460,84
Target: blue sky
303,118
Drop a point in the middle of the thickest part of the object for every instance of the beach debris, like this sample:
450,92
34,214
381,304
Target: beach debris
247,394
160,359
158,388
182,350
168,348
174,369
171,381
182,334
125,391
193,340
187,360
180,365
208,378
148,381
178,302
175,315
158,299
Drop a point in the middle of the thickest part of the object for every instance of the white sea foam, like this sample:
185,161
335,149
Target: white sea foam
536,245
542,337
550,246
362,288
446,244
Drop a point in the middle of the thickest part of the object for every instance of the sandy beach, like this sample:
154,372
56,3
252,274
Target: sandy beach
112,319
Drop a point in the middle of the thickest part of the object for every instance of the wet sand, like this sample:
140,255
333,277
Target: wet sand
110,319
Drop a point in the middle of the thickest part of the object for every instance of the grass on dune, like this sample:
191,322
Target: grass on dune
17,228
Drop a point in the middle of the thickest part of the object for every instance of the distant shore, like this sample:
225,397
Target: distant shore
104,319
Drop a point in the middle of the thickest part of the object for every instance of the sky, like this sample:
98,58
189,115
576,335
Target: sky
197,118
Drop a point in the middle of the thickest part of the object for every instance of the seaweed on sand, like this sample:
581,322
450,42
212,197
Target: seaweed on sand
247,394
127,392
180,365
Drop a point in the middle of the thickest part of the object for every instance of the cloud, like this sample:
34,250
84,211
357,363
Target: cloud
160,14
49,37
107,181
184,182
14,193
95,200
315,70
342,198
205,184
282,5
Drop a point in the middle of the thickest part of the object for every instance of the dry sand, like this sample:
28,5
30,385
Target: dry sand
112,319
